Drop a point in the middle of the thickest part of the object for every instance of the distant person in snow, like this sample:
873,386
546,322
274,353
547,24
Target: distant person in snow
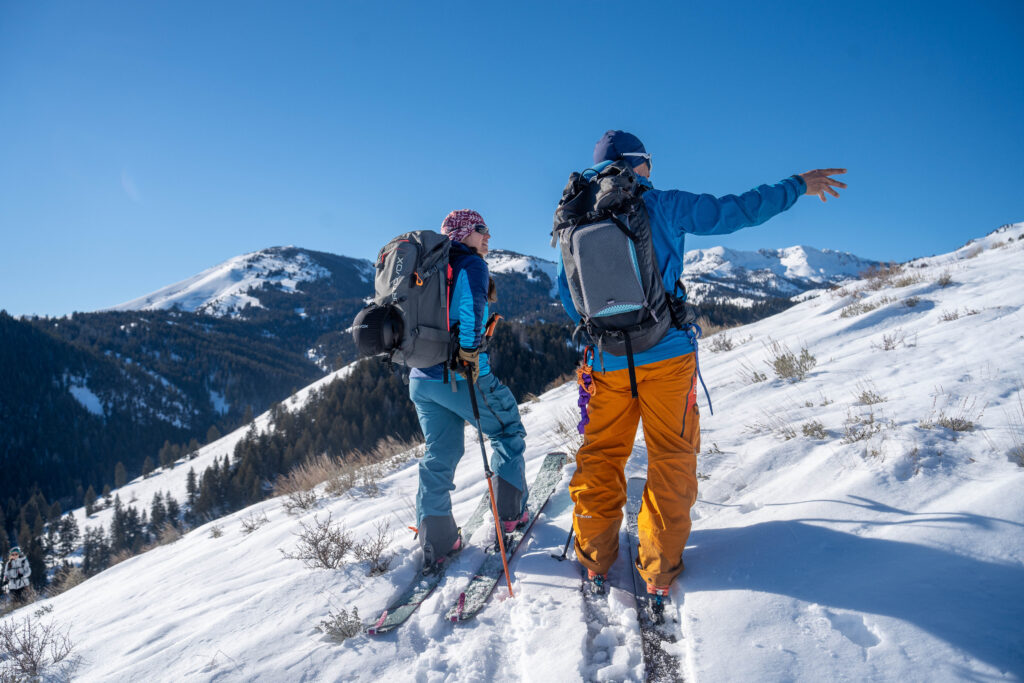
444,408
16,575
658,382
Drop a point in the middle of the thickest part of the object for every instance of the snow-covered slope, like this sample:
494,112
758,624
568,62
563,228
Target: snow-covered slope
816,554
227,288
140,491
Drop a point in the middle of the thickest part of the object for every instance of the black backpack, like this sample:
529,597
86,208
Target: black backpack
604,233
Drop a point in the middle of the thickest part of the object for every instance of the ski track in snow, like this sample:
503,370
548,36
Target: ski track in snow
896,557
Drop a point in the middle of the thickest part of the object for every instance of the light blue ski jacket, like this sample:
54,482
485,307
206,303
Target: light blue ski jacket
673,213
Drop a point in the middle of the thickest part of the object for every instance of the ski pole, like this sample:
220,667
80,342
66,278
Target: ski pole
565,550
488,474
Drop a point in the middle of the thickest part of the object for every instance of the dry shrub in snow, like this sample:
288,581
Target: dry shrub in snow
907,280
121,556
720,342
343,480
773,423
857,307
341,625
65,579
168,534
559,381
945,279
308,474
959,416
750,374
322,545
862,427
786,364
374,549
253,521
708,328
216,531
300,501
368,478
912,301
814,430
566,428
881,276
1017,432
33,650
867,394
891,340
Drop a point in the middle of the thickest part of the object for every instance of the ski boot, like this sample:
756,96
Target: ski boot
596,583
657,598
510,525
432,564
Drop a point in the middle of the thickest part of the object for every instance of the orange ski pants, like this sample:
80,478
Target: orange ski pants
667,394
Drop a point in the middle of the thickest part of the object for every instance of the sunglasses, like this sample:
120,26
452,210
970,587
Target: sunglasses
482,229
643,155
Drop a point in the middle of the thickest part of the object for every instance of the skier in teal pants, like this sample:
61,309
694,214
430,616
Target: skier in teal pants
443,412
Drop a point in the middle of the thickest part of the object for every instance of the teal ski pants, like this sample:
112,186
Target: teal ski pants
443,416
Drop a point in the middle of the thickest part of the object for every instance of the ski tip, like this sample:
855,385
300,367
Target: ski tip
456,616
375,628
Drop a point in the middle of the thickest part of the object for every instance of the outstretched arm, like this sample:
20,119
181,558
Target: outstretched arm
818,182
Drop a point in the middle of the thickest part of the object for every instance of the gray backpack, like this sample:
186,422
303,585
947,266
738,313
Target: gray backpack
408,318
604,233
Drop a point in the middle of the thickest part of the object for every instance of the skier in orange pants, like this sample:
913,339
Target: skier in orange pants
658,382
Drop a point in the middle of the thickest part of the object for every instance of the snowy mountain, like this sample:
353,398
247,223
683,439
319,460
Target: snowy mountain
744,277
863,523
228,288
503,262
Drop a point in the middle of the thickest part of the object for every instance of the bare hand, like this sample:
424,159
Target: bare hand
818,181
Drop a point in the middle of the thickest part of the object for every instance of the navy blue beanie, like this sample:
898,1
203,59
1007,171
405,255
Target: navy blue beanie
612,145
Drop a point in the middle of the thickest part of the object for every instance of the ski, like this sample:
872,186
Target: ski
402,607
475,596
655,631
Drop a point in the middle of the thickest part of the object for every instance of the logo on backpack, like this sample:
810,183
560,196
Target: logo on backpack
408,317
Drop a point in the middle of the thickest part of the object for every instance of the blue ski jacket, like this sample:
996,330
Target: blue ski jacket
673,213
468,307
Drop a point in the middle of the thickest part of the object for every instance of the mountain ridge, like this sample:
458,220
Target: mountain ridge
235,286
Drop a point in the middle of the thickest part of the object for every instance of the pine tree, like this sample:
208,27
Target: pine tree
212,434
106,494
173,509
191,487
50,540
95,551
90,501
167,454
147,466
157,514
120,475
118,532
68,536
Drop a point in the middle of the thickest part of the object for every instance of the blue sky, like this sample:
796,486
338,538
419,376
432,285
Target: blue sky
144,142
